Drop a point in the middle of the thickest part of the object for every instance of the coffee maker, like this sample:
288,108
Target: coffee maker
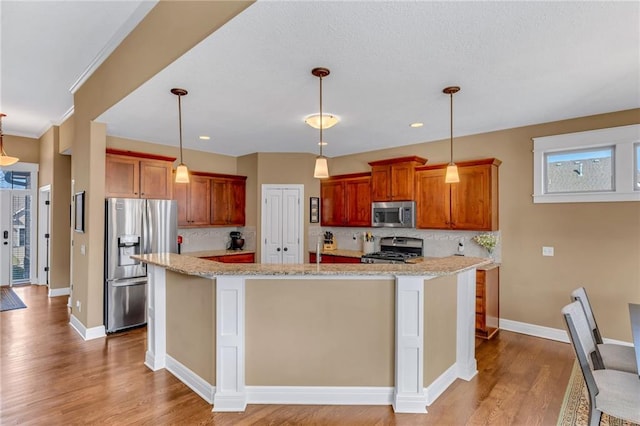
237,242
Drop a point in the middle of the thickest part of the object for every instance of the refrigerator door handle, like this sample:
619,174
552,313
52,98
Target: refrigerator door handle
127,282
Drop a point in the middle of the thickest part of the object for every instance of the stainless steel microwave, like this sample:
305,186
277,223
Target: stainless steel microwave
393,214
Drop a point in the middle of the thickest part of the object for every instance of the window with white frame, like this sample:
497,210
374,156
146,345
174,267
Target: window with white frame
594,166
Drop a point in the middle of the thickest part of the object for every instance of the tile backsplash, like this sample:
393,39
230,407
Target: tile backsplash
197,239
436,243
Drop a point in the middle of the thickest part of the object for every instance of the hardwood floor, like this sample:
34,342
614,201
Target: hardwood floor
49,375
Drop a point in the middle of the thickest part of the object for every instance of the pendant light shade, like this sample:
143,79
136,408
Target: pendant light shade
5,160
452,170
321,170
182,172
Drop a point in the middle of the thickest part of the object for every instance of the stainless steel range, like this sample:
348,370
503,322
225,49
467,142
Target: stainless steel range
395,250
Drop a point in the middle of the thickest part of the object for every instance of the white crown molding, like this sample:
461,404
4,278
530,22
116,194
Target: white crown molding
122,32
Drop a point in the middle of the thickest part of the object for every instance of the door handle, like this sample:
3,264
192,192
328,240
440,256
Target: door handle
278,249
285,249
5,235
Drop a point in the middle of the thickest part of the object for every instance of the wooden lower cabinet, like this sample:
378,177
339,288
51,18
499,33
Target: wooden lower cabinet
330,258
487,301
234,258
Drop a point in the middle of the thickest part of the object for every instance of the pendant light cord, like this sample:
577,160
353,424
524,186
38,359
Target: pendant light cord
180,123
451,141
321,115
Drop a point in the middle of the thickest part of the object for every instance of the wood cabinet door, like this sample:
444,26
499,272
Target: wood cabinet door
358,206
155,179
199,201
219,201
432,200
237,202
380,183
332,203
402,182
181,195
471,199
122,177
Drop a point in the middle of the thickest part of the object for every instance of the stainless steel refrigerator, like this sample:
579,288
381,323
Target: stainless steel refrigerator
133,226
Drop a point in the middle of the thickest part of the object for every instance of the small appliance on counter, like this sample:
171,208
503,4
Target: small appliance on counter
329,243
237,242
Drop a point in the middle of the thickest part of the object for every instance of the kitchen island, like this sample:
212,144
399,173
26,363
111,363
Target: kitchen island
395,334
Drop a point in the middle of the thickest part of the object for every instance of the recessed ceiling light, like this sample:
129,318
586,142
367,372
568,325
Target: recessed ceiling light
416,125
205,138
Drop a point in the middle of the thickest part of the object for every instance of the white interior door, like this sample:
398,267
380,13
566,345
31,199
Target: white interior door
282,217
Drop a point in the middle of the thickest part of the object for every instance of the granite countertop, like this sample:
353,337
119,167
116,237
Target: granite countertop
190,265
338,252
221,252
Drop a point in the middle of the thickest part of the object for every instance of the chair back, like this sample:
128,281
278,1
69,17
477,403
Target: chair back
580,294
584,346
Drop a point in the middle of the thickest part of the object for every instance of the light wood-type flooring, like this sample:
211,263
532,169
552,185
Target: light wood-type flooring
50,376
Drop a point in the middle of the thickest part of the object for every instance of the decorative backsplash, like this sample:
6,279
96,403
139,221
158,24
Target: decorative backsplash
436,243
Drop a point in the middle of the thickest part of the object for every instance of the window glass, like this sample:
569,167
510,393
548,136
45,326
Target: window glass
583,170
15,179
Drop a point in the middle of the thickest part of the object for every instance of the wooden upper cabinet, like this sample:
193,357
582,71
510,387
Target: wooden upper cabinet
228,201
193,200
394,179
471,204
346,200
138,175
432,199
211,199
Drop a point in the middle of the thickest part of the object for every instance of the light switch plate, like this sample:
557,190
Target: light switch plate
547,251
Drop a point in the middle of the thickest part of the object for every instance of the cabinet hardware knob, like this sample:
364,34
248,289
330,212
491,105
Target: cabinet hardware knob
278,249
285,249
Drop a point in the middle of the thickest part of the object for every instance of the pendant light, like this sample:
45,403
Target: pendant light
321,170
182,173
5,160
452,169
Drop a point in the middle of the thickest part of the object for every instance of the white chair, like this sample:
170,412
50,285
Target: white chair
616,393
614,357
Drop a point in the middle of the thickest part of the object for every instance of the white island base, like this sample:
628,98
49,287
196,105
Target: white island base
313,339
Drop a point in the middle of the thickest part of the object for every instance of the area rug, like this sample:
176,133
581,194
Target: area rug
9,299
575,407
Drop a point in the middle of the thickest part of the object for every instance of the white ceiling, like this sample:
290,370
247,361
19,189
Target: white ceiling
250,83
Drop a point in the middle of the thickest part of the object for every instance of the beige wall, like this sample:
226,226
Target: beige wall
596,244
195,160
191,323
26,149
55,170
286,168
320,332
156,42
440,324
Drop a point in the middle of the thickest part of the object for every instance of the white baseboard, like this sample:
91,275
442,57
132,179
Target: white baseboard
534,330
191,379
87,333
55,292
439,385
325,395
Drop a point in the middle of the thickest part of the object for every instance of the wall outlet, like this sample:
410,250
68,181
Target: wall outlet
547,251
83,249
79,305
461,246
